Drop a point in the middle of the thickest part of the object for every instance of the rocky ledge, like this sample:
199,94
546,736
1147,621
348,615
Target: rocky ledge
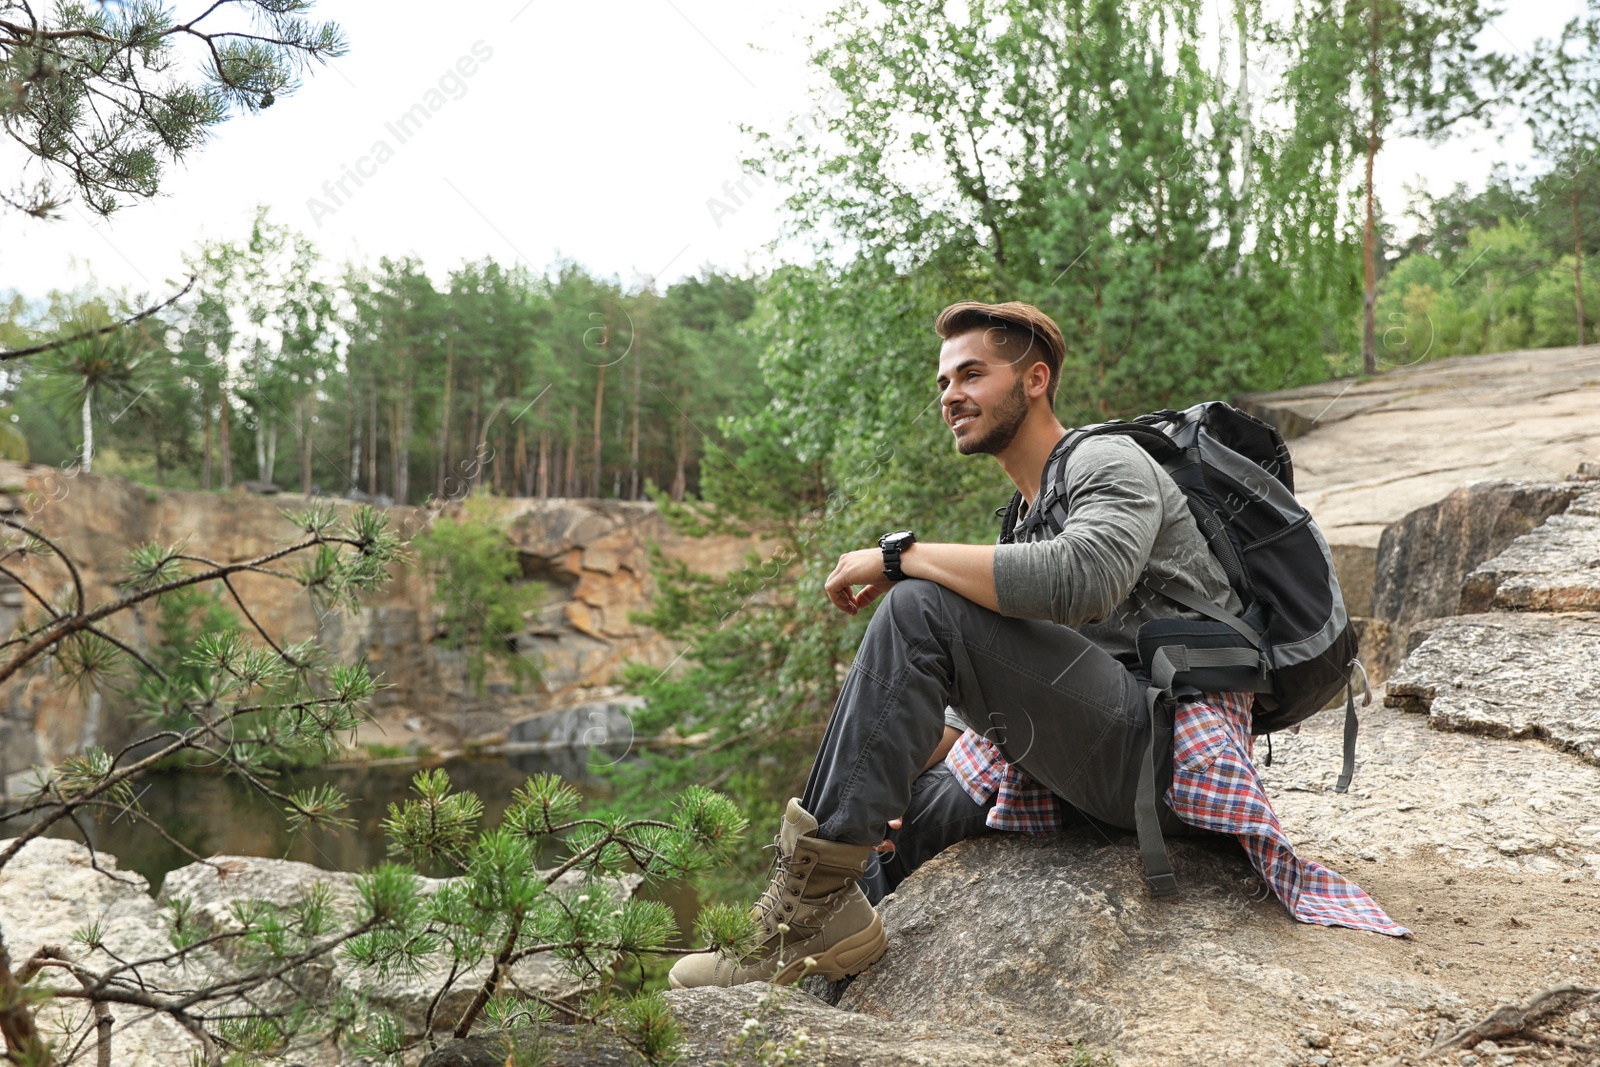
1474,819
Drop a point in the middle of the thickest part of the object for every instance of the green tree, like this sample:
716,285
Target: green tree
478,583
102,368
1376,69
1560,91
93,93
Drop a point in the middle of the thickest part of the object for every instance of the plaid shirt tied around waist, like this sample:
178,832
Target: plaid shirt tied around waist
1214,786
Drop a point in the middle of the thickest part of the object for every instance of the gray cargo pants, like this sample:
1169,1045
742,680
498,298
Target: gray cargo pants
1056,704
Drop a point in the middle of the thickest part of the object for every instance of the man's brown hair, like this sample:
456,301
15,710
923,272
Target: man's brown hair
1022,333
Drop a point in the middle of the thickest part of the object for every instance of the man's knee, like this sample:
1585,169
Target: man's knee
918,600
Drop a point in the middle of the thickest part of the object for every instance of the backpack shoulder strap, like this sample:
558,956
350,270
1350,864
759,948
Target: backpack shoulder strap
1050,506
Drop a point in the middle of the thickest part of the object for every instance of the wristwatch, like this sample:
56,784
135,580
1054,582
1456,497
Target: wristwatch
893,544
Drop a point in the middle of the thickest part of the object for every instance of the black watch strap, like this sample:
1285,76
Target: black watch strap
892,545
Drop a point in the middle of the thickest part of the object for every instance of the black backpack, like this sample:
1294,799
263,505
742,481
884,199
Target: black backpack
1293,645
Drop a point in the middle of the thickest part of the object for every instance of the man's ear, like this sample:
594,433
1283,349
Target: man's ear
1037,378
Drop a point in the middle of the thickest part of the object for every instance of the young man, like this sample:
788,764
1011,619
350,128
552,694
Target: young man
1029,647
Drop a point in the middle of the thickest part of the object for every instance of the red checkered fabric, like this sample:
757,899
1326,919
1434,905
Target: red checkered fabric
1214,786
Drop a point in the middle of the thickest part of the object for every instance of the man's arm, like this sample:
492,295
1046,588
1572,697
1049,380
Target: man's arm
964,569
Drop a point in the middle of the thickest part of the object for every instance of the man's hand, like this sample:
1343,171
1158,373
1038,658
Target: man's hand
863,567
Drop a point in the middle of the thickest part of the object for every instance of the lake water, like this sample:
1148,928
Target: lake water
215,814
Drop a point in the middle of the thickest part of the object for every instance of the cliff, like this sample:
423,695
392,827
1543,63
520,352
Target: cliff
591,556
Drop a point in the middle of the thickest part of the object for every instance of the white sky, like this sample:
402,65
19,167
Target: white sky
595,131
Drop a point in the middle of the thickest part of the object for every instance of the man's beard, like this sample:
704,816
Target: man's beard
1007,419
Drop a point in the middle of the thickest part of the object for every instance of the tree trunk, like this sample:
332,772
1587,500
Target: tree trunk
261,446
372,440
544,463
633,449
599,411
444,418
519,470
205,465
1247,141
474,460
680,477
225,434
1369,233
88,433
402,436
1577,258
309,439
355,431
272,452
570,482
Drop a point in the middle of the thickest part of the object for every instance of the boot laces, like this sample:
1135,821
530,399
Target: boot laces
771,903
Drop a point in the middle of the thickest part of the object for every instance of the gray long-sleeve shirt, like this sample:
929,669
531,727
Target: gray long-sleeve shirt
1125,516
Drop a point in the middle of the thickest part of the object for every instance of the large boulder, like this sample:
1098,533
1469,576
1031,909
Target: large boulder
213,886
604,724
1555,567
1424,557
54,888
1510,675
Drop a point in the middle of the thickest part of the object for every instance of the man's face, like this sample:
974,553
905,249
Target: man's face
983,396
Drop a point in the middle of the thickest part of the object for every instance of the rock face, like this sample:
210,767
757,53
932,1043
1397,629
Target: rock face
1368,452
1553,568
592,556
50,890
1510,675
714,1019
1423,559
606,724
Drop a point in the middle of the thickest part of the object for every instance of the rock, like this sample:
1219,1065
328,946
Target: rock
1510,675
604,724
714,1019
1356,567
212,886
1554,568
573,1046
48,892
1375,449
592,555
1056,938
1424,557
1588,471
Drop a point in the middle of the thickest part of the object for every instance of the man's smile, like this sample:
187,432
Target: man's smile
965,417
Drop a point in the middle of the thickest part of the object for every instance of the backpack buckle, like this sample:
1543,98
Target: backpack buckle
1162,885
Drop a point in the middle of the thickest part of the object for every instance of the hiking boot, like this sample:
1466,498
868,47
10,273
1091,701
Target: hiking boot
813,914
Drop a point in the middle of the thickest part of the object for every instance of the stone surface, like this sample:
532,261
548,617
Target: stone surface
713,1019
48,892
604,724
1424,557
568,1046
211,888
1510,675
1367,452
1556,567
1055,938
